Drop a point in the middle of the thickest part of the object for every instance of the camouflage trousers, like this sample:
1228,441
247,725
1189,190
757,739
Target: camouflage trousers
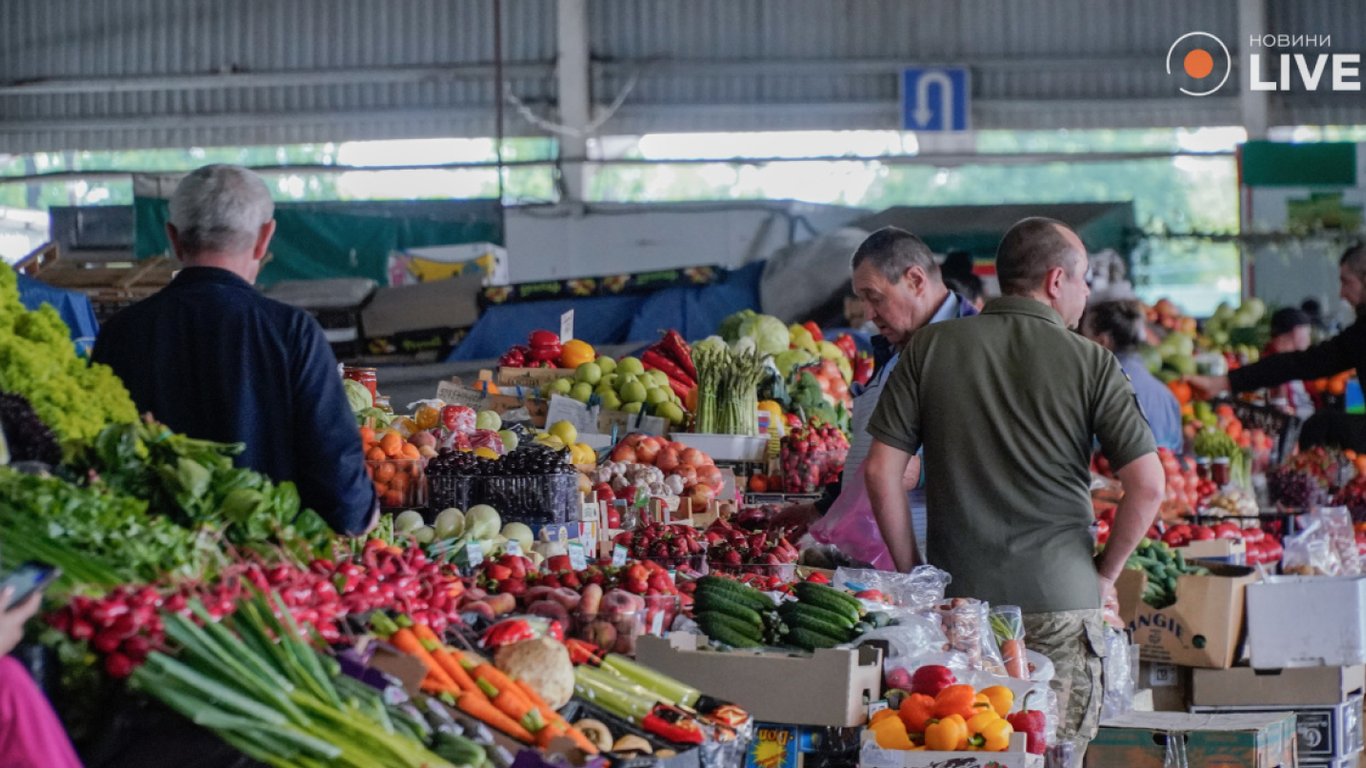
1075,642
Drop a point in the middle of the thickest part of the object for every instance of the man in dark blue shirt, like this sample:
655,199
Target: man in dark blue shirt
211,357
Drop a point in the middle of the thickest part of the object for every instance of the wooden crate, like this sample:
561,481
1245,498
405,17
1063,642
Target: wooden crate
112,280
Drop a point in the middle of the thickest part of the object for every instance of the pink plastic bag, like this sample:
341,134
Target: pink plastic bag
850,527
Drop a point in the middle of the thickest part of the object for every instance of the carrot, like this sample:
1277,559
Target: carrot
1013,652
406,641
480,709
553,718
495,677
445,658
548,734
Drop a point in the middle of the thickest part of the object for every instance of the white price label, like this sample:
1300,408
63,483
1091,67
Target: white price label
567,327
657,623
877,707
513,547
577,560
618,556
474,554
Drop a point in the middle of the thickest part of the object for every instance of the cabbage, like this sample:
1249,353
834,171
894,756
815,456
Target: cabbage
357,395
769,333
730,327
744,345
791,360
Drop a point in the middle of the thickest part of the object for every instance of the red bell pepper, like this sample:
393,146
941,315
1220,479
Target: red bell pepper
544,339
863,368
1031,724
931,679
847,345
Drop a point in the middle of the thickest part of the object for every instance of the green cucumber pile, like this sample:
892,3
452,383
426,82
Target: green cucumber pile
741,616
1164,566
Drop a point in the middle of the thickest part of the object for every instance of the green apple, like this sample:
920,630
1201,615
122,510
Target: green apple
656,395
610,400
488,420
631,407
581,391
588,372
561,386
510,440
607,364
630,365
671,412
603,388
661,379
633,392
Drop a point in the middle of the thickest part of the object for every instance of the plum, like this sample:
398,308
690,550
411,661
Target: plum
600,632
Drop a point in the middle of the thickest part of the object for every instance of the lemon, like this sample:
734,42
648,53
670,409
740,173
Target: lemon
565,431
485,452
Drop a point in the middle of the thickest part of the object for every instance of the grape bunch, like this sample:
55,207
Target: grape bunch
1294,488
526,460
28,437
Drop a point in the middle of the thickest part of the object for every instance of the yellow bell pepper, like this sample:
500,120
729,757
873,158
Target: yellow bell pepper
995,737
890,733
881,714
981,703
980,721
947,735
1001,698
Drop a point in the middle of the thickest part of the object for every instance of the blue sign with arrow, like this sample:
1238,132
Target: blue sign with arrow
934,99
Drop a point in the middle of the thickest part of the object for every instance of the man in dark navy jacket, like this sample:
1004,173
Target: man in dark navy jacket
211,357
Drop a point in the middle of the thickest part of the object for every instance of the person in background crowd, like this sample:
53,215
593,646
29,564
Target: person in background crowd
1119,326
31,736
969,287
1290,331
211,357
899,284
1343,352
1007,406
1318,325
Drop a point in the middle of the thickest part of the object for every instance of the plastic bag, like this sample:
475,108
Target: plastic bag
968,629
1118,675
849,525
1007,625
1326,546
911,643
1338,522
920,590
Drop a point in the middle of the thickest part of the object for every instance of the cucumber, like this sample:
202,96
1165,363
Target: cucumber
808,640
810,621
830,600
719,602
742,592
826,615
728,630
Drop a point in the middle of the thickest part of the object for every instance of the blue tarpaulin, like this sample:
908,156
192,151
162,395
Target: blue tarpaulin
693,312
74,308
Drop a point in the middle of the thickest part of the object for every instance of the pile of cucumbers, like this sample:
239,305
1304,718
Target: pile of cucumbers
1164,565
741,616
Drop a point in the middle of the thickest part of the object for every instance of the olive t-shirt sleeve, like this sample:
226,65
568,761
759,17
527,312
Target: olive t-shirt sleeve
1123,432
896,420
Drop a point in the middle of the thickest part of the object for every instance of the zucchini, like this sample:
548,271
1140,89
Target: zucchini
728,630
720,602
742,592
808,640
837,618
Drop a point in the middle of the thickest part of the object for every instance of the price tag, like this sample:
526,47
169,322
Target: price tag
513,547
657,623
567,327
673,576
876,707
474,554
618,556
577,560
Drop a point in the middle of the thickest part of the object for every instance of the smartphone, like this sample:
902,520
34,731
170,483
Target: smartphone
27,579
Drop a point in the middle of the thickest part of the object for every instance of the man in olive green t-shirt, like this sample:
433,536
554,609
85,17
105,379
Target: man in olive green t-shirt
1006,406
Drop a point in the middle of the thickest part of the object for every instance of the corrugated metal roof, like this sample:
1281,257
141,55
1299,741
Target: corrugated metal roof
137,73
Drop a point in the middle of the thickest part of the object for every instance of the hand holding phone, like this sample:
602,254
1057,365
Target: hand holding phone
26,580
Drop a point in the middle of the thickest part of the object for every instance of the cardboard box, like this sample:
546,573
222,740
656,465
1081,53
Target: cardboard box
1201,629
1140,740
1322,733
1307,686
428,317
831,687
530,378
873,756
1226,551
1307,621
1170,685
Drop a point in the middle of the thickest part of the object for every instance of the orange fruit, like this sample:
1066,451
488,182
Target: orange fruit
392,499
391,444
577,352
409,451
398,482
384,472
375,454
367,435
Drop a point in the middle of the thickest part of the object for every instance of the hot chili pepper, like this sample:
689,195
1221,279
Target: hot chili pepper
947,735
672,724
916,712
676,348
1001,698
956,700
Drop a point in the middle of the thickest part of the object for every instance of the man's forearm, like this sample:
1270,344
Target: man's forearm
883,476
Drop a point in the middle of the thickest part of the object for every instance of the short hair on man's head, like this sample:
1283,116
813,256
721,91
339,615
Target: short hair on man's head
219,208
1031,248
1122,319
1354,258
968,286
892,251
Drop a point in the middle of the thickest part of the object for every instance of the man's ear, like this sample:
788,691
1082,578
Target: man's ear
1053,282
263,237
915,278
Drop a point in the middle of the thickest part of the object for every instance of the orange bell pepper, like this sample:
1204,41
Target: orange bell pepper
916,712
890,733
947,735
956,700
